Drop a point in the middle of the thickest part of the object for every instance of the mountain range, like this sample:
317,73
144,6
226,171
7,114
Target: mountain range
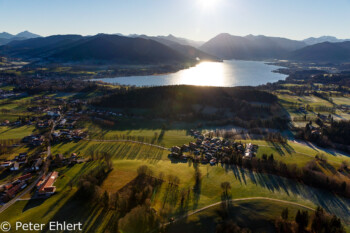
6,38
250,47
322,39
103,48
323,52
143,49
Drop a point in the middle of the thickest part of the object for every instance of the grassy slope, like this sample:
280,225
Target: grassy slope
258,215
141,132
126,162
16,132
297,153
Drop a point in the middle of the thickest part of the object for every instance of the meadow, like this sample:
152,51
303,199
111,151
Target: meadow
129,156
258,215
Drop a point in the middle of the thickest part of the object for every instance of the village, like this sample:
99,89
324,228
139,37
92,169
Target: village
211,150
38,169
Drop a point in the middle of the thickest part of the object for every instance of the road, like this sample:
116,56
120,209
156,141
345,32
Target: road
241,199
30,187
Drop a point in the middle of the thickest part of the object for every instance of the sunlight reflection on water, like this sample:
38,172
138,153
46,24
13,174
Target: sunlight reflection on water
227,73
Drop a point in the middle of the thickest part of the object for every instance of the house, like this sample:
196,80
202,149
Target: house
213,161
176,149
15,167
40,182
6,122
8,186
47,187
185,148
193,145
6,164
248,153
11,193
25,177
38,164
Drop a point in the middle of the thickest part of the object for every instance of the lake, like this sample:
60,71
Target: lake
228,74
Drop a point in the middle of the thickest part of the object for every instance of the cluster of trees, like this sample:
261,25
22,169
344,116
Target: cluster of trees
275,137
89,184
33,85
230,226
306,80
131,206
320,222
310,174
337,134
185,96
134,203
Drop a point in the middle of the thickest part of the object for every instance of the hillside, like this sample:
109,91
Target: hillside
38,47
323,52
118,49
100,48
250,47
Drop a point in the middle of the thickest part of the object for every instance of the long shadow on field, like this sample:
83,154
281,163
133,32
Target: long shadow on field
288,148
90,214
327,200
247,215
278,147
32,203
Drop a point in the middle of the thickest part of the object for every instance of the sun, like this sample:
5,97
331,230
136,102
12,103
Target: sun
207,3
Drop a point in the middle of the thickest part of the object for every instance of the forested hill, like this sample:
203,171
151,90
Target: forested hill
241,106
100,48
186,95
120,50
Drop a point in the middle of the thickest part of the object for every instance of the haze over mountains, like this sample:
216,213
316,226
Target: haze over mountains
322,39
100,48
143,49
323,52
6,38
250,47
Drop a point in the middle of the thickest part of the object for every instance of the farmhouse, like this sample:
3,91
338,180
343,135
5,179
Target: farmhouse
47,187
25,177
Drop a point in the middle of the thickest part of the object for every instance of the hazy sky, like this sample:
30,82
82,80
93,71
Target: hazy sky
194,19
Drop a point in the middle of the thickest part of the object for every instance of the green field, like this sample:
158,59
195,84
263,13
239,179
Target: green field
244,184
128,156
311,100
341,100
258,215
297,153
16,132
139,132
